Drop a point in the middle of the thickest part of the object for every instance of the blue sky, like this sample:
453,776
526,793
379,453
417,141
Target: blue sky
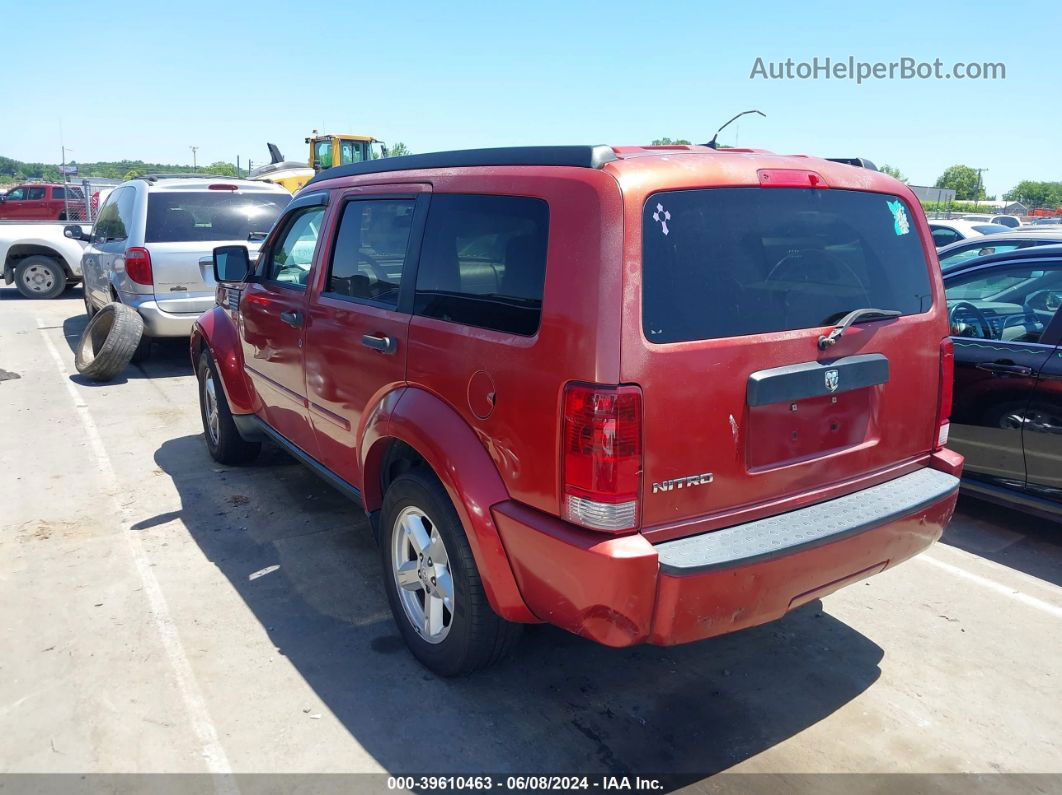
145,80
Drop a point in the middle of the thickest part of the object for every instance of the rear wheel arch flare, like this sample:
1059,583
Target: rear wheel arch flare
22,250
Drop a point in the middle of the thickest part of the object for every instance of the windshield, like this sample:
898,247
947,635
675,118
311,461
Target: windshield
728,262
322,154
963,253
211,216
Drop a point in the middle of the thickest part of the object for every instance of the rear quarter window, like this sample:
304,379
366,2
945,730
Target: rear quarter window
729,262
483,262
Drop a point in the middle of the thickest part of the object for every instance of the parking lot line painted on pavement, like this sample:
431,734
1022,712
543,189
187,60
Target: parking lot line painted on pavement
998,587
213,753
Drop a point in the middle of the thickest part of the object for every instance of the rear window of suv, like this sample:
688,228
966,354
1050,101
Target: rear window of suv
729,262
210,216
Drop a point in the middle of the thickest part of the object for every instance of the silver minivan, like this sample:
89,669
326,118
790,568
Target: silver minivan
151,245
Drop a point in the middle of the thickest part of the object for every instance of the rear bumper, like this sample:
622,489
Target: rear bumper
622,591
158,323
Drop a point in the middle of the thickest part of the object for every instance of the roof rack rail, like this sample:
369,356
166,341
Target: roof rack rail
860,162
574,156
156,177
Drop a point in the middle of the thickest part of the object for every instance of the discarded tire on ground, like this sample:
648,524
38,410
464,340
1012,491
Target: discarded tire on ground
108,342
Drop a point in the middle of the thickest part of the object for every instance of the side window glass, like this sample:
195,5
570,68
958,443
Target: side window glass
292,256
349,152
1008,305
110,225
322,154
125,209
18,194
483,262
942,236
58,193
370,250
35,194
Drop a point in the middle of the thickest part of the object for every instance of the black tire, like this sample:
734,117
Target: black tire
227,446
108,342
143,350
40,277
477,636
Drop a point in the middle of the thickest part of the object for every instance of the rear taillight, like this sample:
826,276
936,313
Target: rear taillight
138,265
601,456
945,391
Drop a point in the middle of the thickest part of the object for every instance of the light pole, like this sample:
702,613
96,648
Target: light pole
194,149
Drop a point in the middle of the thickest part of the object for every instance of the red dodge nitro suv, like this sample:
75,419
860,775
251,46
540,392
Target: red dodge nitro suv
646,394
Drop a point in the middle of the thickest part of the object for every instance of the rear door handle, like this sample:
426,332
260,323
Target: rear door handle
292,318
383,344
999,368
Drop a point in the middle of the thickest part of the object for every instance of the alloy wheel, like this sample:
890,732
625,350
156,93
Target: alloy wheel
421,569
213,418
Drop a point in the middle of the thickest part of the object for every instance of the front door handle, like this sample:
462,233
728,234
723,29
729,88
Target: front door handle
383,344
293,318
1001,368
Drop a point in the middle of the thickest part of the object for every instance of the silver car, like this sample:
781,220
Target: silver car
151,245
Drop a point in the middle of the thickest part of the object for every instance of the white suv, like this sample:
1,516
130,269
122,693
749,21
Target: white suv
151,245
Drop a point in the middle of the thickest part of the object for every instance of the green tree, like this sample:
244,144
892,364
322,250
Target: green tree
669,142
965,181
893,172
1032,193
221,168
395,150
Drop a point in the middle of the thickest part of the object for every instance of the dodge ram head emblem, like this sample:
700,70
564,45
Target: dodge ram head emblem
832,380
687,482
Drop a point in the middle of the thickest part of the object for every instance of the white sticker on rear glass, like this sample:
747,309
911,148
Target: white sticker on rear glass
662,216
899,217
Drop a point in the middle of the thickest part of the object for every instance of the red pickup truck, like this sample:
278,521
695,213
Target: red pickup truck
36,201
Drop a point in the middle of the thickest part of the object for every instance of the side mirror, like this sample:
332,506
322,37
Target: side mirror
74,232
231,263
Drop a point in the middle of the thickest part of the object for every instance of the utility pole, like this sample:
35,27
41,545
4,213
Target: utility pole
194,149
980,187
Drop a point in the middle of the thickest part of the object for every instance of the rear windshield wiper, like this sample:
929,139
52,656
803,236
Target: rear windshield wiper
867,313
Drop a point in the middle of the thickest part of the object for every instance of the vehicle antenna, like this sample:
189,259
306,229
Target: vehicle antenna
712,143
